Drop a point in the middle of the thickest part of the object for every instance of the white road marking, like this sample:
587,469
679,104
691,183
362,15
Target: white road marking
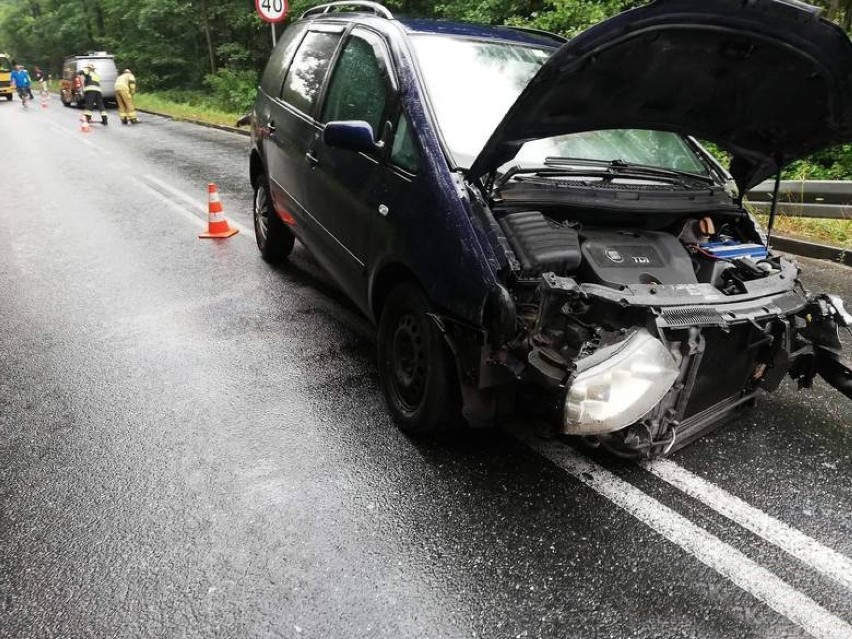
157,186
823,559
192,217
79,137
196,205
708,549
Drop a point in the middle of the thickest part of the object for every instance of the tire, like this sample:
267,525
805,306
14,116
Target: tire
9,97
274,240
416,370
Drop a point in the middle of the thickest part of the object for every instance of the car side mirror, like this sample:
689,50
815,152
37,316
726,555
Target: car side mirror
352,135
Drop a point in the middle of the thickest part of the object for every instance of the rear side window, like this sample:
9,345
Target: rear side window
358,89
307,72
273,75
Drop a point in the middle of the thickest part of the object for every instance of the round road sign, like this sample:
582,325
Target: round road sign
271,10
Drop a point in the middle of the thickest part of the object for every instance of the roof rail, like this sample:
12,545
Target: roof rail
541,32
359,5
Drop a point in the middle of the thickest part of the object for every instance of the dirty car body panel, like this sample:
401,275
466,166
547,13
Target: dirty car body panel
579,252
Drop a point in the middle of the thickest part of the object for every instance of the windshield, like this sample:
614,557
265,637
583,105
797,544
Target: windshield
473,83
633,146
5,67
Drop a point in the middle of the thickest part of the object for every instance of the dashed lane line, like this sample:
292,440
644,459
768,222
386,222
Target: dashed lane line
80,137
166,198
823,559
708,549
161,186
158,188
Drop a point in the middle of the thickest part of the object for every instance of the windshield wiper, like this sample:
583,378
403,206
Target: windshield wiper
527,170
625,168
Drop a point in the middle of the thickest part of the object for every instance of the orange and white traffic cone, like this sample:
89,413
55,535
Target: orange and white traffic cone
85,127
217,225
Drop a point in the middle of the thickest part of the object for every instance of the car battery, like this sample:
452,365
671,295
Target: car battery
730,250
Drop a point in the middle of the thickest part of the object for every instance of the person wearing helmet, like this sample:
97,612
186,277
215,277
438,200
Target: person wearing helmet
92,91
125,88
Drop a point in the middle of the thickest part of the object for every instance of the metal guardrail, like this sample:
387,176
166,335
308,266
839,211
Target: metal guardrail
812,249
828,199
806,198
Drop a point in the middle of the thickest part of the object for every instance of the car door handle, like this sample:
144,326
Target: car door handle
311,159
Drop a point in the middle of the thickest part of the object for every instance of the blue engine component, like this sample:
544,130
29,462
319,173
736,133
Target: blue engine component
731,250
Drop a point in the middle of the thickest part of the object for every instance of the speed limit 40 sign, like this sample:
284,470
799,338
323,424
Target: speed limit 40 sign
271,10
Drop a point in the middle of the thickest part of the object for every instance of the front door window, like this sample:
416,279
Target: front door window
358,88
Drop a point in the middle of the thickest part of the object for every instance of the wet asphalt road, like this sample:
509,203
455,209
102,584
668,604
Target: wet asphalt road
193,444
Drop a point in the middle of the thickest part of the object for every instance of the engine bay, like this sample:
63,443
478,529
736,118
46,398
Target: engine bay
694,253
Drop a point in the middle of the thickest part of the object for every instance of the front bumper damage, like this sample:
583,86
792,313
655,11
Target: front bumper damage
727,355
643,379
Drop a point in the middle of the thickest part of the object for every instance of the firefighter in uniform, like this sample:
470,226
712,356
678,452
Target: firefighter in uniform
125,88
93,93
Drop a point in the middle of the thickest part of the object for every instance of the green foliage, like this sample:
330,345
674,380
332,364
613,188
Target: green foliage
834,163
829,164
233,90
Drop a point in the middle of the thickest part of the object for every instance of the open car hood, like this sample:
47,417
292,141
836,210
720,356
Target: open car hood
767,80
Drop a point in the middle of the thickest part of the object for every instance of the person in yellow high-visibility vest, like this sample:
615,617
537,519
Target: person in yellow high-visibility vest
125,89
92,91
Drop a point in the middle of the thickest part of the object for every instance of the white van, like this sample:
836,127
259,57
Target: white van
70,84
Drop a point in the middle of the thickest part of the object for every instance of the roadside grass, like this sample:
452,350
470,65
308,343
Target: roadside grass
833,232
181,105
186,106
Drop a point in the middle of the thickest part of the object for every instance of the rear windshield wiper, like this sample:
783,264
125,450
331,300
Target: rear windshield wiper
625,168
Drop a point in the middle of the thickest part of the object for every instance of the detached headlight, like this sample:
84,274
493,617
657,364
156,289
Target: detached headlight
618,385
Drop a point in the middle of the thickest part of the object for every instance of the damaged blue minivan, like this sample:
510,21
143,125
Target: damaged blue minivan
532,223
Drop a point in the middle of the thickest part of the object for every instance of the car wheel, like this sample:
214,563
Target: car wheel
9,97
274,240
416,369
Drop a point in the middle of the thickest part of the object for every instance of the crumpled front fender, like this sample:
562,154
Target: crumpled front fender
835,371
824,317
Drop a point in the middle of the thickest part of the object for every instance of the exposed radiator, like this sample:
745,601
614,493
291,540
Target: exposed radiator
692,316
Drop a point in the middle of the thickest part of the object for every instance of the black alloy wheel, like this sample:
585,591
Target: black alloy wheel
416,368
274,240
